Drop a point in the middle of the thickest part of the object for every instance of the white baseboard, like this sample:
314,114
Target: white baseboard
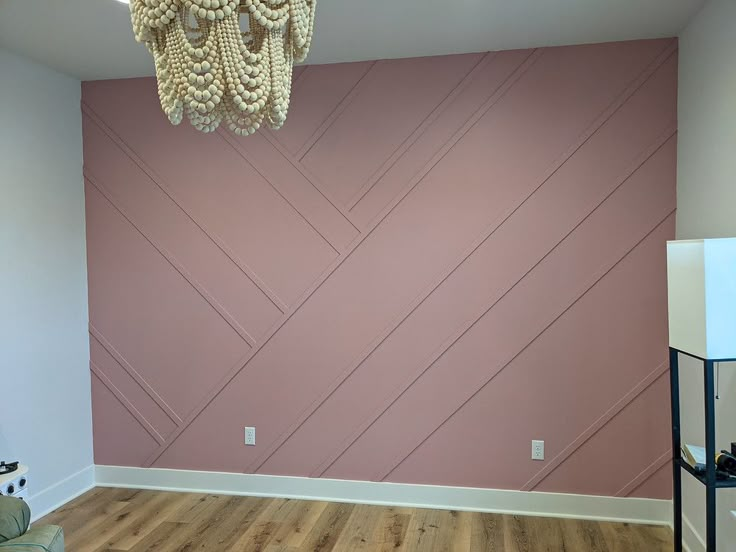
58,494
632,510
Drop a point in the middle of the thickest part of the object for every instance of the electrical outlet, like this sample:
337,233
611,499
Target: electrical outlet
250,436
537,450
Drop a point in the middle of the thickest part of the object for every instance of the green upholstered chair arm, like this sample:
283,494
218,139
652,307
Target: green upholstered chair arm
46,538
15,515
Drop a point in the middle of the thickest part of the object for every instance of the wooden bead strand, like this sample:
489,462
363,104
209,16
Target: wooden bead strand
211,71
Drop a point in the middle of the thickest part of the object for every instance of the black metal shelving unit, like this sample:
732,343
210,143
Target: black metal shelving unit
709,479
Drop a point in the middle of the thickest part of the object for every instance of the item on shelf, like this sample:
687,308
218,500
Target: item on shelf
726,462
695,456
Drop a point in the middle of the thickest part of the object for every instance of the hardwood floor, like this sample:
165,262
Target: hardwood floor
111,520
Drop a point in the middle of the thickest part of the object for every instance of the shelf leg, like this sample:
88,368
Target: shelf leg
676,448
710,457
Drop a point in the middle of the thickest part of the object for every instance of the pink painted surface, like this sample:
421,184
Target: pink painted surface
409,294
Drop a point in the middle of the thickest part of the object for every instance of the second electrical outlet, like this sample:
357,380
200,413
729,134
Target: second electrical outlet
537,450
250,436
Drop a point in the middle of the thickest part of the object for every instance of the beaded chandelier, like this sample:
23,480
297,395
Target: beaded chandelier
210,69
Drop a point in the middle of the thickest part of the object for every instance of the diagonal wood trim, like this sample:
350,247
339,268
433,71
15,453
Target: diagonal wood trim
159,182
413,306
620,101
375,343
380,280
228,138
651,150
173,261
308,176
646,474
368,185
107,382
500,92
396,462
312,289
339,108
510,81
444,347
595,427
133,373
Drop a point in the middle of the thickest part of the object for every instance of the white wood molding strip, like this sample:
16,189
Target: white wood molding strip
49,499
603,508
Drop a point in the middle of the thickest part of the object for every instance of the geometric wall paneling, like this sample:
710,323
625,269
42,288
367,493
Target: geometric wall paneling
665,163
322,90
504,331
137,396
137,299
372,288
297,187
237,297
130,441
583,185
369,130
651,483
481,87
547,370
454,193
237,205
637,422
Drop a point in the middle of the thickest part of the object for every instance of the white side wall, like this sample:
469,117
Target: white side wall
45,407
706,201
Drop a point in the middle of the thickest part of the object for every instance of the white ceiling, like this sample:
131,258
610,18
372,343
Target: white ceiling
92,39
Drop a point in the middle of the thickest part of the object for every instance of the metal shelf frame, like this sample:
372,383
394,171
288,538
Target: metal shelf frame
709,479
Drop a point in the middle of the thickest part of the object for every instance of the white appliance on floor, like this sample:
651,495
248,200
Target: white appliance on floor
15,483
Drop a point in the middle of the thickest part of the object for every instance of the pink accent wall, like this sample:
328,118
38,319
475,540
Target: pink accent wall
436,261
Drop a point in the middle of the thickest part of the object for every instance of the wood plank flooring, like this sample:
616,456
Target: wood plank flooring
115,520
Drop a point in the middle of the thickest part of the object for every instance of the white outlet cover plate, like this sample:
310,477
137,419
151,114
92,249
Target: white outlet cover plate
537,450
250,436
